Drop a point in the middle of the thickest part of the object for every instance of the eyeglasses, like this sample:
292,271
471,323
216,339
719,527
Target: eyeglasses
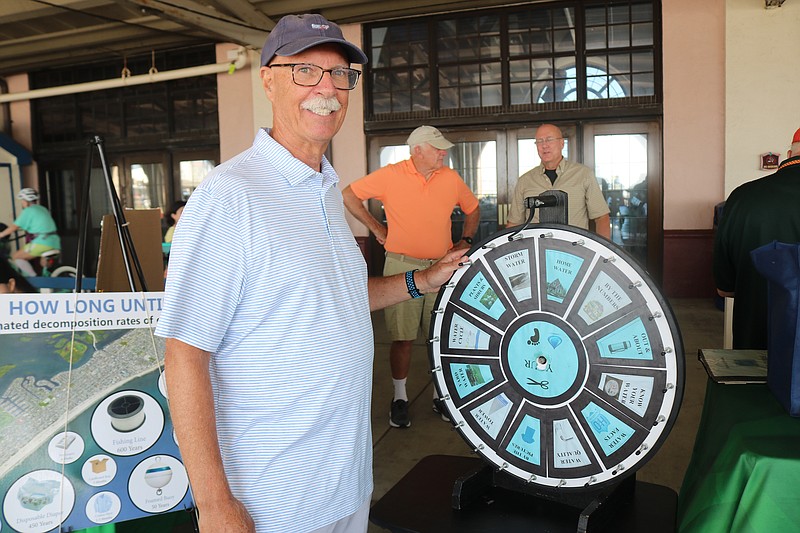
308,75
549,140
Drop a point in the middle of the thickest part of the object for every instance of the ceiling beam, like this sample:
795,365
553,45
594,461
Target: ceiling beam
248,13
198,16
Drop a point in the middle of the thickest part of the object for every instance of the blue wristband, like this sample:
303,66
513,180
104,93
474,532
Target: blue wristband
411,286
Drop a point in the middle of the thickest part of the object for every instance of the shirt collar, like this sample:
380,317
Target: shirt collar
291,168
559,169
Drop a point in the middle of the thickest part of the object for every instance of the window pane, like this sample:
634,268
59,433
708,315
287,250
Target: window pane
401,101
448,49
448,77
191,174
389,155
490,46
642,34
563,18
641,12
621,170
448,98
519,70
618,15
543,68
491,95
643,84
469,75
597,87
619,63
380,81
378,35
421,99
419,79
619,36
470,97
469,48
147,185
595,16
419,52
544,92
381,102
518,44
476,163
595,38
491,73
564,40
520,93
642,62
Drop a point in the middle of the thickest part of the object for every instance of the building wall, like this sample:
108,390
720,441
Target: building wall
762,108
236,97
349,147
729,96
21,130
694,140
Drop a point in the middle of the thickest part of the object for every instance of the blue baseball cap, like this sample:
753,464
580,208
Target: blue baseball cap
296,33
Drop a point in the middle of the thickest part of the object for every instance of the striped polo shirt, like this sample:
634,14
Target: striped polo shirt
266,275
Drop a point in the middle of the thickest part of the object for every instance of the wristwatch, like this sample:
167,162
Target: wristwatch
467,240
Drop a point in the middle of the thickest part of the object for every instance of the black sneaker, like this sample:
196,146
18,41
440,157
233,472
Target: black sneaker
398,414
438,407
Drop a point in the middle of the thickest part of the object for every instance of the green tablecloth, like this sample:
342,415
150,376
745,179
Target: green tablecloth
744,474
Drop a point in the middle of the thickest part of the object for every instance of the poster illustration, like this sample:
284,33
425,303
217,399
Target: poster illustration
84,422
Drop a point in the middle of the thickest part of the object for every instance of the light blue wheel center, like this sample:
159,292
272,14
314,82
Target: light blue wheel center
543,360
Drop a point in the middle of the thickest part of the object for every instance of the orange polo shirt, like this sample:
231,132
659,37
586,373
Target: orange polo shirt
417,210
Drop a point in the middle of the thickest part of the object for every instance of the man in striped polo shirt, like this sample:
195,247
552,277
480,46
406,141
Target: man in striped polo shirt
267,312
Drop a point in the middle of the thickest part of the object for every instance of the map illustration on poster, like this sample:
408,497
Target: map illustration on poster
84,421
557,359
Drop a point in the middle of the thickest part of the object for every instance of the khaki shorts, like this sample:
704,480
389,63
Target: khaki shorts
403,320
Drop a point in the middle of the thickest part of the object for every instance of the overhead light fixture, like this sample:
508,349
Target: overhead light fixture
773,3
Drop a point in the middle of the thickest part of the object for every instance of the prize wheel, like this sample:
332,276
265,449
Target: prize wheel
557,358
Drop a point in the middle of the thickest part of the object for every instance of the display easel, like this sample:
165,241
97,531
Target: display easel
130,258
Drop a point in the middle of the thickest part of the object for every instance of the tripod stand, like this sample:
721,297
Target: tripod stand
129,257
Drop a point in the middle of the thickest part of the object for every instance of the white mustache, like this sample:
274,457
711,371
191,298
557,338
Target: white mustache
321,105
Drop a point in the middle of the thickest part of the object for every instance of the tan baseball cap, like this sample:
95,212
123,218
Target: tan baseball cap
430,135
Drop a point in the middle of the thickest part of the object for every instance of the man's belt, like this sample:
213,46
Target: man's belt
413,260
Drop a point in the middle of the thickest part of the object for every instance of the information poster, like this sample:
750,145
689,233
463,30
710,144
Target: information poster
84,422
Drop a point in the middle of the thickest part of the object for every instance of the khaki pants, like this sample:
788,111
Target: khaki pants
403,320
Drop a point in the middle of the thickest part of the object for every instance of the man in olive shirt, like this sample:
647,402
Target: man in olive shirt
585,200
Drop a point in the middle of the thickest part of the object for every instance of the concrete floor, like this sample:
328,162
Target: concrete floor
397,451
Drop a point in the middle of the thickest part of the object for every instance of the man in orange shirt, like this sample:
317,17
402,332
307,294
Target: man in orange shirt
418,197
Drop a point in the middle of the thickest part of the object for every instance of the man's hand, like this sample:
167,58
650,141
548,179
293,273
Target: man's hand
436,275
227,517
380,231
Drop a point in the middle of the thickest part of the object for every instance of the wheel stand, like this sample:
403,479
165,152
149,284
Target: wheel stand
597,506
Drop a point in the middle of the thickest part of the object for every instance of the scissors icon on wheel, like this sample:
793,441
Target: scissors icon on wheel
543,384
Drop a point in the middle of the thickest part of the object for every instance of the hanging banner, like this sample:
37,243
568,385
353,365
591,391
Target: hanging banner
84,422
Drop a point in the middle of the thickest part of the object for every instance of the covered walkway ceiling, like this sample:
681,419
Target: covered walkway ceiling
37,34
